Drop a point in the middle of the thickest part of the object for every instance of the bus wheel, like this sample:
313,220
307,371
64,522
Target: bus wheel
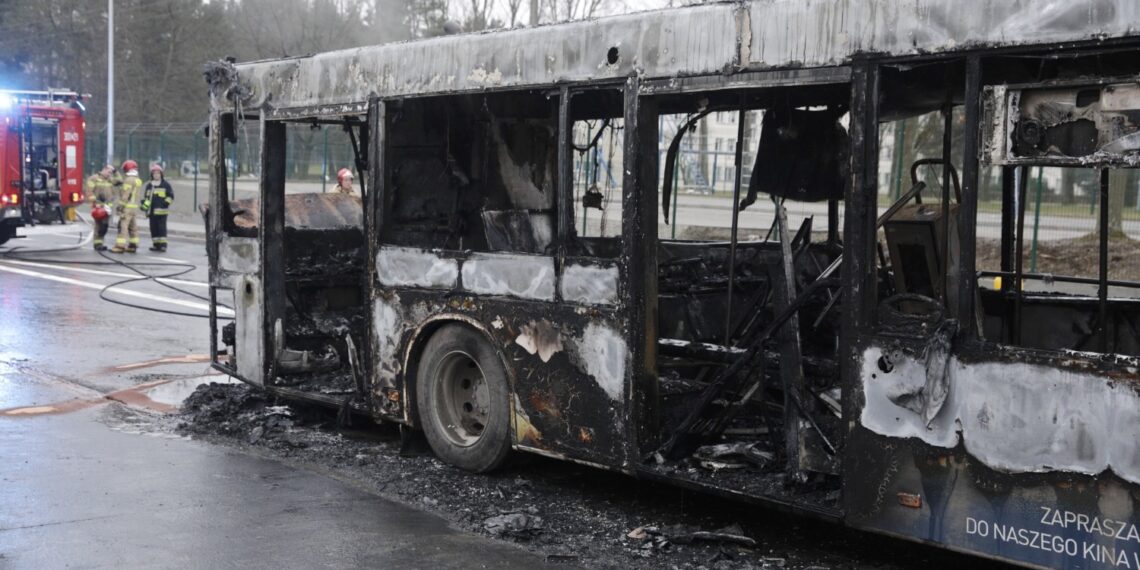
463,401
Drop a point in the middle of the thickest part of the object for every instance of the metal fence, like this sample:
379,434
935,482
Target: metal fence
1062,205
314,155
1062,222
706,176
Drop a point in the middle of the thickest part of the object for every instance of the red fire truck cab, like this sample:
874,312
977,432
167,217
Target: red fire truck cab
41,157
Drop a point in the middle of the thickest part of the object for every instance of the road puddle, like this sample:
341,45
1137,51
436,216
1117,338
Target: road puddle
172,393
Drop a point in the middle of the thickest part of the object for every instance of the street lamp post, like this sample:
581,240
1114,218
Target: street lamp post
110,82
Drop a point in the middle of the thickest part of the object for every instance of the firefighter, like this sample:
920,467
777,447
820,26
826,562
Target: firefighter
101,196
127,208
157,198
344,180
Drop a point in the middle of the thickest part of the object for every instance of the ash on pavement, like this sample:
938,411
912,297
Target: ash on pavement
566,512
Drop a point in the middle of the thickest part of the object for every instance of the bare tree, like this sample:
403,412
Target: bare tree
513,7
425,18
564,10
479,15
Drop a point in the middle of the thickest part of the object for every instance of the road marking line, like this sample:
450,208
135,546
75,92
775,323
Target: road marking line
64,267
166,259
127,292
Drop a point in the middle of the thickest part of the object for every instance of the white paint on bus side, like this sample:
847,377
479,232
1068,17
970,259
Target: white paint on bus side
603,353
389,324
522,276
239,255
589,284
412,267
1013,416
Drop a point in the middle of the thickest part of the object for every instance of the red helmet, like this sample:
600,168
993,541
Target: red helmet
156,166
99,213
342,173
130,165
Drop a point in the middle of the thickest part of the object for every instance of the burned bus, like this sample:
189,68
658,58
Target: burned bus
903,360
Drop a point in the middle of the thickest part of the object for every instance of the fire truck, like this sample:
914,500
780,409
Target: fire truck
41,157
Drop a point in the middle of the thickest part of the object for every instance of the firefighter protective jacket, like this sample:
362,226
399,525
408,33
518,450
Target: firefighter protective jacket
100,190
130,194
157,197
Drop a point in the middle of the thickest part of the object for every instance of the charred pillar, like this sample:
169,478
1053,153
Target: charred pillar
215,216
738,167
271,240
859,236
1102,275
377,119
639,266
1021,175
565,200
968,207
219,206
791,356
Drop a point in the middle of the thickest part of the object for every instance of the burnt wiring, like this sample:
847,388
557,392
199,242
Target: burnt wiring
593,197
19,253
597,137
608,194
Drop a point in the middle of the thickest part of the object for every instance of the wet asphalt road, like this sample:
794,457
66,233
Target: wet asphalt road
81,487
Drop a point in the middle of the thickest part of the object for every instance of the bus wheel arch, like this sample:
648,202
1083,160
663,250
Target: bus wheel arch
458,390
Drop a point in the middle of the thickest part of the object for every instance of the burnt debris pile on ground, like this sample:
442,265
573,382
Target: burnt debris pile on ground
237,410
565,512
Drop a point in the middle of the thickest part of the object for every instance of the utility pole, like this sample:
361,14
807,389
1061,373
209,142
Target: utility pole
110,82
533,13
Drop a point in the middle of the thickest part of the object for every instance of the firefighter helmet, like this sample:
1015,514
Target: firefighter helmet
130,165
342,174
99,213
158,167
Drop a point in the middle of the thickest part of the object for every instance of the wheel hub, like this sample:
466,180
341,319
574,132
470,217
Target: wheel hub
463,399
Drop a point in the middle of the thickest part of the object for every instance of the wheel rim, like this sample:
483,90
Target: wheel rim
462,399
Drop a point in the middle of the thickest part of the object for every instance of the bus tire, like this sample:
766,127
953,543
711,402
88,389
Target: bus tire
463,399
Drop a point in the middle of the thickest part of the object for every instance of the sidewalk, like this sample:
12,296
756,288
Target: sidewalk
181,224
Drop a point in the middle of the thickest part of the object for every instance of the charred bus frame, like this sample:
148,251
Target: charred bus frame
460,298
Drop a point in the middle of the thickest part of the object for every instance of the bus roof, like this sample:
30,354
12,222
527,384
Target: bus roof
697,40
